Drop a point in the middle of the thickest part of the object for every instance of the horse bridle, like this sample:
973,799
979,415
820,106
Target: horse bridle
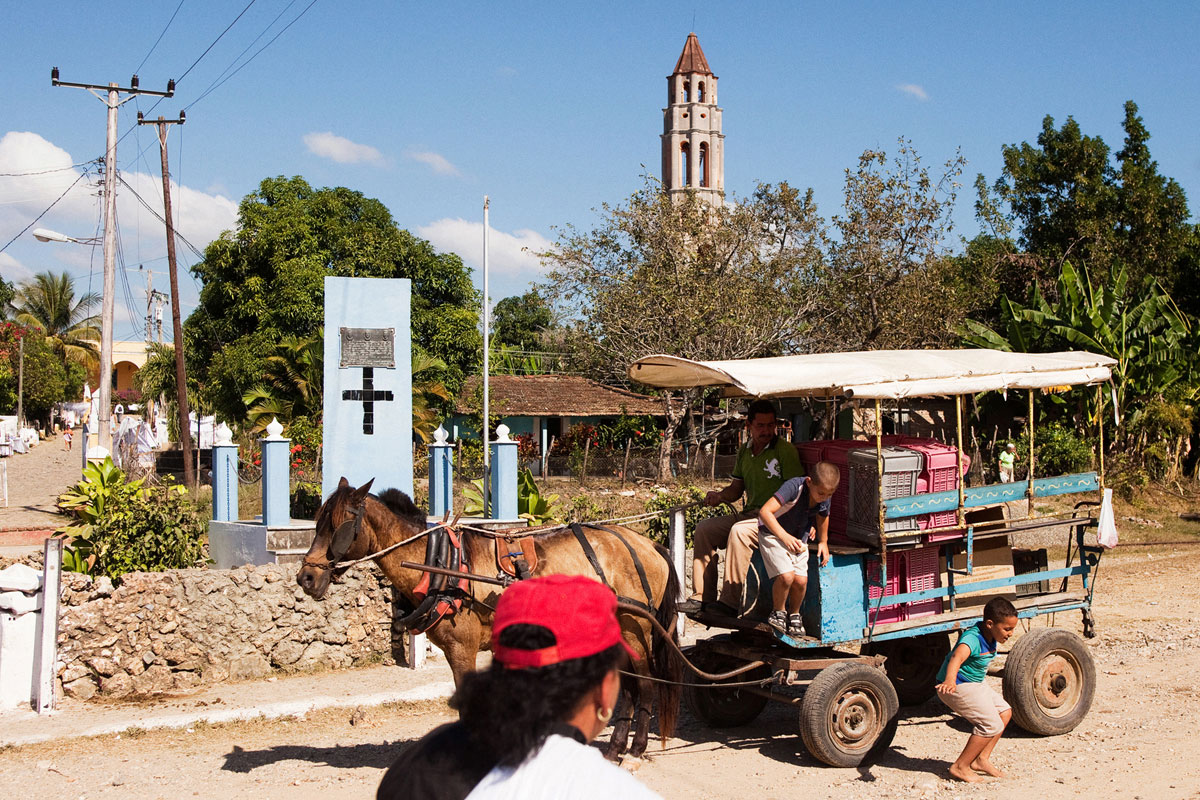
344,536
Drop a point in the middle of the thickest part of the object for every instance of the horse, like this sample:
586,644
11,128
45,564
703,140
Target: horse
624,559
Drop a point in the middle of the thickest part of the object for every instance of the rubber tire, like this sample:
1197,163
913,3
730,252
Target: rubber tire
912,664
856,682
1038,657
723,708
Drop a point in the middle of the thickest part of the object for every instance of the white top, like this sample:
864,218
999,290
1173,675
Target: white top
878,373
563,768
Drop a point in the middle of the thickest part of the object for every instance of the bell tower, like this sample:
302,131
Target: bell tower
693,147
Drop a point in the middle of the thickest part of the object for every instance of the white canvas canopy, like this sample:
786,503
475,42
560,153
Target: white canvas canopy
884,374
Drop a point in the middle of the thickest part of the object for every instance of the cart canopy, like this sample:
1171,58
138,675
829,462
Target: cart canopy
884,374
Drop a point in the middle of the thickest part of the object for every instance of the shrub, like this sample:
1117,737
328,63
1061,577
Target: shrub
305,500
125,526
1058,449
659,528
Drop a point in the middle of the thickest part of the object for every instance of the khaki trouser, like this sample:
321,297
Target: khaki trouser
738,535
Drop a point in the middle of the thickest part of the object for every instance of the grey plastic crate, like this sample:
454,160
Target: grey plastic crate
901,467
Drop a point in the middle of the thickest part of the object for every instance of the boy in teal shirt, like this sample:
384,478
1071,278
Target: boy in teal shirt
961,687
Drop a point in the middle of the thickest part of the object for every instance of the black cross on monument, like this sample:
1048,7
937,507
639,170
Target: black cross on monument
368,396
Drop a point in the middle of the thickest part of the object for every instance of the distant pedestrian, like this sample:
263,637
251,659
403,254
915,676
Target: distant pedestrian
67,438
1008,463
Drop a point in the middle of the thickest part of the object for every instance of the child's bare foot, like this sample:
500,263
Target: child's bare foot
985,766
965,775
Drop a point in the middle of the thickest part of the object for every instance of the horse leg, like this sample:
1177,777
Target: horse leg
641,719
621,721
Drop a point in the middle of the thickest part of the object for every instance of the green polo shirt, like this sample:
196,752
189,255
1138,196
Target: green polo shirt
764,473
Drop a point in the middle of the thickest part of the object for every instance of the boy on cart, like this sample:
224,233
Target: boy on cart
793,516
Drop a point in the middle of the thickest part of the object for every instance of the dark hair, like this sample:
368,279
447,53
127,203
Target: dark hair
999,609
511,712
760,406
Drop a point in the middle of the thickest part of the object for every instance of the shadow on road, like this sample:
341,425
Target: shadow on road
378,756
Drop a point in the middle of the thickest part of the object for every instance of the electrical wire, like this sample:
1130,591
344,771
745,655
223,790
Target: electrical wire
159,216
45,171
214,43
160,37
39,216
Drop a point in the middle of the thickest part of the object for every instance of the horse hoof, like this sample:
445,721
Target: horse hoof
632,763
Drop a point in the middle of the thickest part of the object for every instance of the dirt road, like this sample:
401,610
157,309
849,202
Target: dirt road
1138,741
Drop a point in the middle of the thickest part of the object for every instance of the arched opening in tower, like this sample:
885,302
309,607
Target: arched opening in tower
700,92
685,163
687,90
703,164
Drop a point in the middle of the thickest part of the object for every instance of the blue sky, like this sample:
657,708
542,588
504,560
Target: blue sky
549,108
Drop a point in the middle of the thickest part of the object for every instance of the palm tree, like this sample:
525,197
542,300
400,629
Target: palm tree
294,383
428,393
48,302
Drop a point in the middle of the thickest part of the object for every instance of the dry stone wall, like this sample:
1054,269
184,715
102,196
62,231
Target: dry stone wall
171,631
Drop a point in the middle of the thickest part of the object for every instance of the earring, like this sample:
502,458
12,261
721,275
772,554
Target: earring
604,714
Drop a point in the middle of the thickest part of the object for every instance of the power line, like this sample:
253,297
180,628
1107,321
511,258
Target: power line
214,43
160,36
160,218
47,171
39,216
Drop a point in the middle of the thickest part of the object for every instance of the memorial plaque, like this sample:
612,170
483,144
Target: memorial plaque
368,347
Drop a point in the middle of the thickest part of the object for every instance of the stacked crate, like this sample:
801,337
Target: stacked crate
908,571
901,466
939,475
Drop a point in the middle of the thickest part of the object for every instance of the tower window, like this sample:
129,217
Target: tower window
700,92
687,89
704,164
685,161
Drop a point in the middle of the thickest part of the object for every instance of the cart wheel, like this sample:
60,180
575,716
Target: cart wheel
724,708
848,714
1049,680
912,664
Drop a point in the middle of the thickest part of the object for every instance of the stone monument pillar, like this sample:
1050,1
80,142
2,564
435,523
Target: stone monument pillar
441,474
225,475
504,476
276,473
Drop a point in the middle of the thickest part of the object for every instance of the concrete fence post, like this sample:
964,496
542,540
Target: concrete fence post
276,475
224,476
46,645
441,475
503,477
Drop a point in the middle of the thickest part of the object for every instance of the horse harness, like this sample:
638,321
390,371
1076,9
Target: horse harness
588,551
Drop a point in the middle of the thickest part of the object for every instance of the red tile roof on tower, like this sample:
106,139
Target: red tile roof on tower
692,58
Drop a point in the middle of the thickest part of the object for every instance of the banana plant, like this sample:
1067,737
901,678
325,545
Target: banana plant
532,505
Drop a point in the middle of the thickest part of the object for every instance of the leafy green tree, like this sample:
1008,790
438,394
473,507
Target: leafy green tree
519,321
48,380
1074,199
293,383
679,276
48,302
265,281
7,295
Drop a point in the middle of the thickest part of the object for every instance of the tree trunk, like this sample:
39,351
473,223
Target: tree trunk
675,413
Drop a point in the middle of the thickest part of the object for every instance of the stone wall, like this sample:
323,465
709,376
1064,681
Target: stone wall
171,631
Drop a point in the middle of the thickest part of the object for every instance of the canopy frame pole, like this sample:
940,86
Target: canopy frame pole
960,512
1029,490
1100,430
879,471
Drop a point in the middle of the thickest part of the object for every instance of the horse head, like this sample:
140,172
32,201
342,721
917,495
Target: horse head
339,531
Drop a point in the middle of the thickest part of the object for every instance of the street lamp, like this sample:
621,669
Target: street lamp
106,340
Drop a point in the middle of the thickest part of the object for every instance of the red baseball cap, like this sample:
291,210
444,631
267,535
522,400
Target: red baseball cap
580,612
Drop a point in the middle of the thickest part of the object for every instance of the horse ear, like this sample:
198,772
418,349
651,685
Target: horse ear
343,483
361,491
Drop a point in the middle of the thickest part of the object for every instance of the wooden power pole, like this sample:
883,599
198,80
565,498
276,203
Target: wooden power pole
185,425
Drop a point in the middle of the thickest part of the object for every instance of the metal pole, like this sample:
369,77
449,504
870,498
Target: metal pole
879,469
21,386
1029,490
108,299
960,512
1100,429
677,544
487,461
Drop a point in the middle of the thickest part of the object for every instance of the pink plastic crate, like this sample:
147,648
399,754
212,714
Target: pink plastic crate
810,453
837,452
940,475
908,571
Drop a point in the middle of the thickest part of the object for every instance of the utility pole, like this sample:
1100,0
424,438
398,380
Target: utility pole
21,385
112,100
185,424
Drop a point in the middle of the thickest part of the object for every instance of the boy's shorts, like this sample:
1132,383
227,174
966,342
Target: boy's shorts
778,559
978,704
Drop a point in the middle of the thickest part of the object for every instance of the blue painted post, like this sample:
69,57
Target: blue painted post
441,474
224,476
504,476
276,471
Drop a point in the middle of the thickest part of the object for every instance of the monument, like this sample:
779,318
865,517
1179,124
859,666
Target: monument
368,384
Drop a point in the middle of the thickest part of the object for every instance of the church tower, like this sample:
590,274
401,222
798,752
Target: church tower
693,147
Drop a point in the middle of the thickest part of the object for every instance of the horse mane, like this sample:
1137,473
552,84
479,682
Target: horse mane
402,506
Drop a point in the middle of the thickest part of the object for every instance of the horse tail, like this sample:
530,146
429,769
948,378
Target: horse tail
665,662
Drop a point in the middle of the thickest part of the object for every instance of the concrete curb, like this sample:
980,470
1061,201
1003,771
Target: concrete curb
59,725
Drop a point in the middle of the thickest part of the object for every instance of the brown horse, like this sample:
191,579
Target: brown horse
378,522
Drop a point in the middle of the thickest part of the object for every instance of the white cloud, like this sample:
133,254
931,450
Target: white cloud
14,271
435,161
340,149
510,254
916,90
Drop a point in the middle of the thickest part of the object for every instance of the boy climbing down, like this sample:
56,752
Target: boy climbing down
794,515
961,687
